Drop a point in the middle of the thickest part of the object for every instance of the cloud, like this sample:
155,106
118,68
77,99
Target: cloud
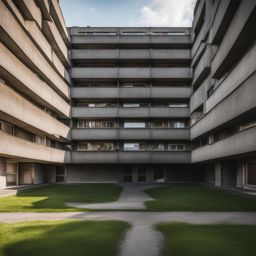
162,13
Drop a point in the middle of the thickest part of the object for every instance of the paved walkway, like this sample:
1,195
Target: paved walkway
141,239
131,198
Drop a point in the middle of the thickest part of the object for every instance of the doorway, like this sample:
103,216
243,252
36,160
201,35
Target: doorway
11,174
142,174
127,174
158,174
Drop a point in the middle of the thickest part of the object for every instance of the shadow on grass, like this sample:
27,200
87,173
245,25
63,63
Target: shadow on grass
222,239
54,197
64,238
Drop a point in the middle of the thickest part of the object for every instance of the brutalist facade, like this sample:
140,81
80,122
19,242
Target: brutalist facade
149,104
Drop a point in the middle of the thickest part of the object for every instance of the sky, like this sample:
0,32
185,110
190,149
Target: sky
118,13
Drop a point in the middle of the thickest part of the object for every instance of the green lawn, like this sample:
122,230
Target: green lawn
211,240
65,238
189,197
53,197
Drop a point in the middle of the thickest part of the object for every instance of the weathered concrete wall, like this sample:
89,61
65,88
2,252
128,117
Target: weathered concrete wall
92,173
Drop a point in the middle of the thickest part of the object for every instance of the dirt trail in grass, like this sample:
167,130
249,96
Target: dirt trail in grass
141,239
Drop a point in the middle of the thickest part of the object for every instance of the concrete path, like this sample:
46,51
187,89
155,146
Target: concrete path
141,239
131,198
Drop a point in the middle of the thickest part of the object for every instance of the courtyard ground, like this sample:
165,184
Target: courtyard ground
223,240
195,197
51,198
143,238
66,238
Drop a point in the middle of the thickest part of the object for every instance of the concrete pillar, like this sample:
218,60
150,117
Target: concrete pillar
217,174
134,174
2,173
150,174
240,175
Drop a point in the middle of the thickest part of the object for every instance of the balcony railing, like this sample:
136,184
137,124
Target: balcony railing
143,112
145,157
130,134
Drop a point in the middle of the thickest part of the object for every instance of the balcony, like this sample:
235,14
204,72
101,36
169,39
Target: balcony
23,46
13,147
46,48
145,157
181,41
56,13
20,111
244,69
130,134
24,80
103,55
84,74
143,112
132,93
203,68
222,19
239,144
52,34
236,104
240,34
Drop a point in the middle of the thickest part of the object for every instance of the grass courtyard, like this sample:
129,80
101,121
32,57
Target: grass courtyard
182,239
52,198
66,238
193,197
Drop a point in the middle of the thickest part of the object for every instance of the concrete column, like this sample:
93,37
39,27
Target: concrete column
150,174
134,175
217,174
240,175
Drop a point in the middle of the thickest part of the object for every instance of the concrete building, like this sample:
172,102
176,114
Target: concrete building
34,92
147,104
222,106
130,104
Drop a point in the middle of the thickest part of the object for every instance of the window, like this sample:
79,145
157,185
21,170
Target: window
159,124
39,139
108,124
163,33
130,85
98,146
176,147
177,124
95,105
7,128
247,126
210,92
159,147
134,33
82,146
134,146
130,124
178,105
96,124
134,105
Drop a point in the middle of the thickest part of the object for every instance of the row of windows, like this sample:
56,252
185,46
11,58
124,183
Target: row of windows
130,85
132,104
132,33
129,146
131,124
20,133
220,135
